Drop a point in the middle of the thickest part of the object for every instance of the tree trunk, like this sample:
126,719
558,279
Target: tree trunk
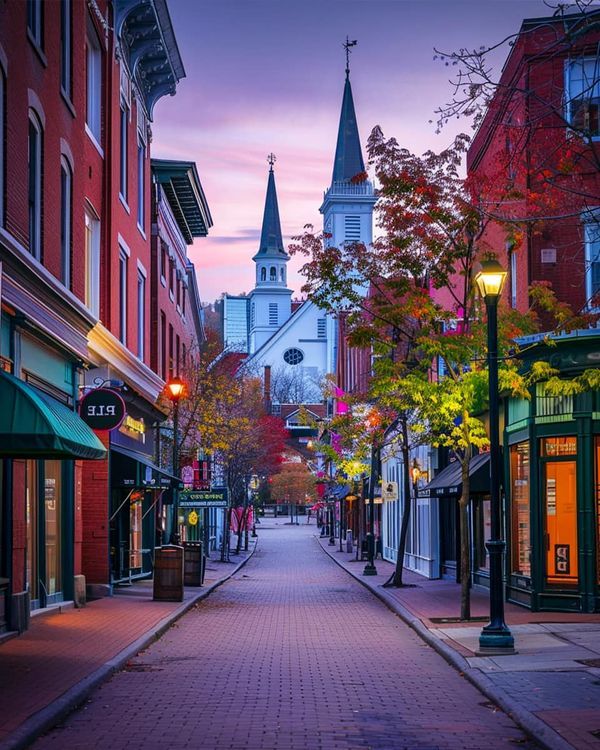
465,547
395,580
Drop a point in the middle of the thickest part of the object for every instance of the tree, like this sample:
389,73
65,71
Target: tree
294,484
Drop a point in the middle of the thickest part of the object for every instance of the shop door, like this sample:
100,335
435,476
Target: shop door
560,523
449,543
31,520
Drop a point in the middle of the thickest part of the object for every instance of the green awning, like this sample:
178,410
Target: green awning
35,425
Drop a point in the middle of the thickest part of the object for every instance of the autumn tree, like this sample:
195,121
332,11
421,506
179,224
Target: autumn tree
293,484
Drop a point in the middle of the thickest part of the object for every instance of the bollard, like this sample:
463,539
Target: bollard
349,542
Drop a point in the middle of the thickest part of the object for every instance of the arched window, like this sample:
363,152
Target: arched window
35,185
273,274
263,274
282,274
66,212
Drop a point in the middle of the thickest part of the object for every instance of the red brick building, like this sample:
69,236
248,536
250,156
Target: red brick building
539,145
78,84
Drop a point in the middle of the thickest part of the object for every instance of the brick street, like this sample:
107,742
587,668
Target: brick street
291,653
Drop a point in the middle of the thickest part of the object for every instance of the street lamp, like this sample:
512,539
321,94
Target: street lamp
175,390
495,636
370,569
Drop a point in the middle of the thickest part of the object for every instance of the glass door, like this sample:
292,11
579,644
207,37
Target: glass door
31,521
560,517
52,523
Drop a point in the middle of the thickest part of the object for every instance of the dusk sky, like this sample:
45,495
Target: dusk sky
267,75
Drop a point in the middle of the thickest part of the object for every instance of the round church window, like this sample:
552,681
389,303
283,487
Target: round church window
293,356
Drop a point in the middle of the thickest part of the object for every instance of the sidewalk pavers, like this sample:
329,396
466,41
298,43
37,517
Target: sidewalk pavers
551,686
65,654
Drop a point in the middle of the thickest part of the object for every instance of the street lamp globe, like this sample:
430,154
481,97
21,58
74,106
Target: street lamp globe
175,388
490,280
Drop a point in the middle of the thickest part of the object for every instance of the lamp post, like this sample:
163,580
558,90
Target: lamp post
175,391
496,635
370,569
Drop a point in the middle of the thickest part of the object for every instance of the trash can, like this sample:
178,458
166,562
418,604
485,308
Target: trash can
168,573
193,566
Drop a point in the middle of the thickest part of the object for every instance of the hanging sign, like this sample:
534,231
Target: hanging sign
389,491
193,518
215,498
102,409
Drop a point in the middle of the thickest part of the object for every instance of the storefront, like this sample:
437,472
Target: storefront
552,446
42,440
447,488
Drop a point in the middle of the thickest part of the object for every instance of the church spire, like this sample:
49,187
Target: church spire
348,155
271,240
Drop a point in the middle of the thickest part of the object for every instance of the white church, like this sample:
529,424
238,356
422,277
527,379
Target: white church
302,345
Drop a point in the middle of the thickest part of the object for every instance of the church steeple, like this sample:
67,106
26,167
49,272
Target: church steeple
271,240
348,160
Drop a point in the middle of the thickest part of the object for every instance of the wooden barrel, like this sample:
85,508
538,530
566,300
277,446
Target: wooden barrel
193,563
168,573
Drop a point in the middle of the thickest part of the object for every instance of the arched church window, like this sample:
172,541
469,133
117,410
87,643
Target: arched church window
282,274
263,274
273,274
293,356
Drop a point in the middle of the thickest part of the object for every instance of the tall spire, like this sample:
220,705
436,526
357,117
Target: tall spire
348,155
271,241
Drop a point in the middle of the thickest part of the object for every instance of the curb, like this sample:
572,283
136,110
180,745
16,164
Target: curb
536,728
47,717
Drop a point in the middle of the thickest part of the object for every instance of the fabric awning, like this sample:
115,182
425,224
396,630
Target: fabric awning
131,468
448,483
35,425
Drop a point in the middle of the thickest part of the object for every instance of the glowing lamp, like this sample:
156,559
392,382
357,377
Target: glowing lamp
490,280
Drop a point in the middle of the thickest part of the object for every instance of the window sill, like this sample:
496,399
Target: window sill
39,51
124,203
92,138
68,103
163,281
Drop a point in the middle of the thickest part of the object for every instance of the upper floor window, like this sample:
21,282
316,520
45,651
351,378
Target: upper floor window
2,144
513,278
122,295
35,21
282,275
66,221
272,274
582,88
592,257
178,296
163,262
92,263
273,314
35,186
93,57
141,170
321,328
352,228
65,47
123,140
263,274
141,313
163,346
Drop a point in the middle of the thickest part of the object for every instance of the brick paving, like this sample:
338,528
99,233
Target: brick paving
290,654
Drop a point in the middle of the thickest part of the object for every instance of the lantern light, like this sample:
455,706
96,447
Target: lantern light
490,280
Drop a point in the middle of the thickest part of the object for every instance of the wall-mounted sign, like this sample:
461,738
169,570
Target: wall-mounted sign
562,559
102,409
389,491
215,498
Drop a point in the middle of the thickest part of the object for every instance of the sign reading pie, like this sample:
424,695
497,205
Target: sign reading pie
102,409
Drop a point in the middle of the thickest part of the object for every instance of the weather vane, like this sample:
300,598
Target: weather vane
271,158
347,44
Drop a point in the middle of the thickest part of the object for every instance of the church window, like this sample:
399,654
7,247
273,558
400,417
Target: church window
293,356
282,274
352,228
263,274
252,314
273,274
321,328
273,314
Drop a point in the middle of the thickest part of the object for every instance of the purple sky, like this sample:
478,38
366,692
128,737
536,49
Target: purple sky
267,75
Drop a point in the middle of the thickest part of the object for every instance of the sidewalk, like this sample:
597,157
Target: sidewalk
52,667
551,687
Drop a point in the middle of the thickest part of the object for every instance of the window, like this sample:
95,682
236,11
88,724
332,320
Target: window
177,354
183,296
591,231
519,499
141,216
163,346
65,47
183,356
352,228
35,21
293,356
178,296
252,315
93,57
282,274
582,87
513,278
122,296
35,186
321,328
163,262
263,274
141,311
272,274
92,264
171,278
273,314
66,213
2,146
124,123
171,372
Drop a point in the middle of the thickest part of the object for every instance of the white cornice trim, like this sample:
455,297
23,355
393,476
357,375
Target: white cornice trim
107,349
